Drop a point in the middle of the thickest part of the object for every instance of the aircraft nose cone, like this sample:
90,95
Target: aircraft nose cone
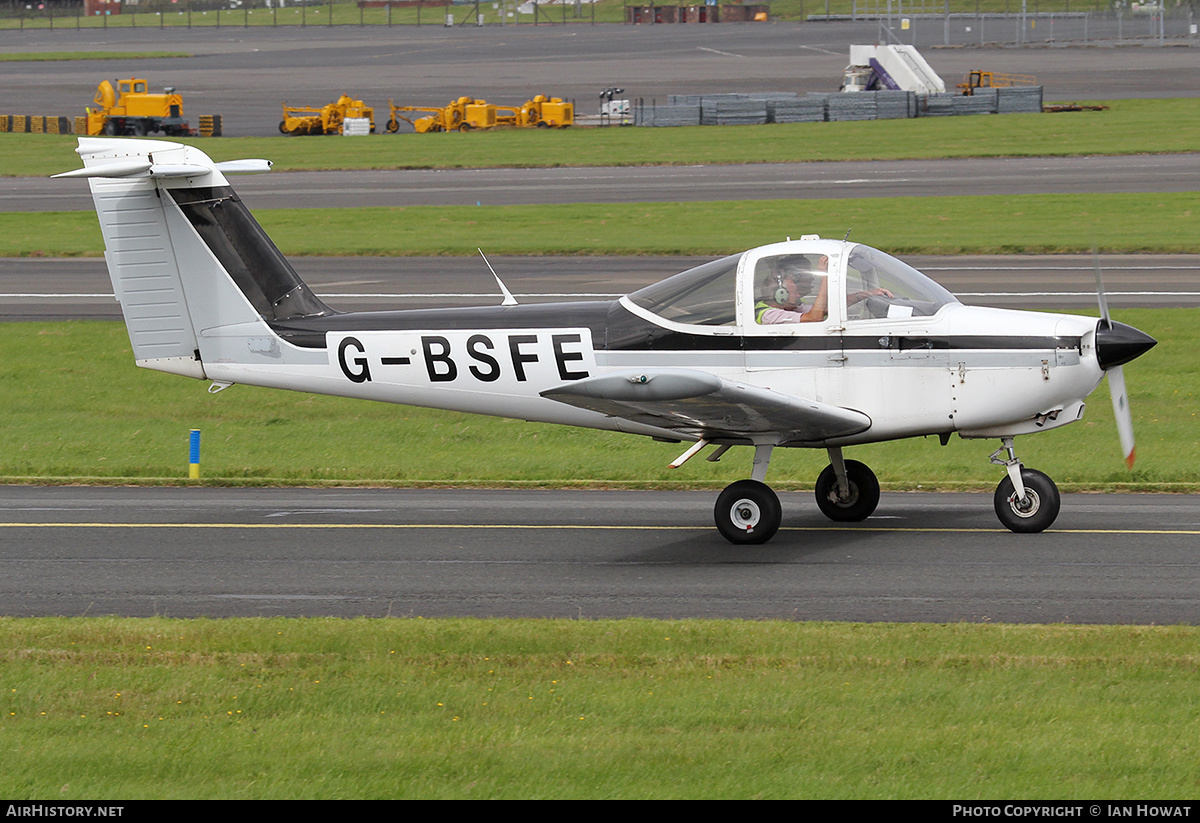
1117,343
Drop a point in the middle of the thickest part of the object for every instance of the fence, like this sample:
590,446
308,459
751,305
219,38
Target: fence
1027,23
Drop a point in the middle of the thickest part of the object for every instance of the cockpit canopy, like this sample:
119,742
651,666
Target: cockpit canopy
795,282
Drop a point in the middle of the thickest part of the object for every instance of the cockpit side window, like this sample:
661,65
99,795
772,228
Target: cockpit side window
791,288
879,285
703,296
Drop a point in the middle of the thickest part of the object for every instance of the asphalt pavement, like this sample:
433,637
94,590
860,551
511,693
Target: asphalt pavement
184,552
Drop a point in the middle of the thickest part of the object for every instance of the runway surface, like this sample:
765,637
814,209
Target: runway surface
65,289
586,554
641,184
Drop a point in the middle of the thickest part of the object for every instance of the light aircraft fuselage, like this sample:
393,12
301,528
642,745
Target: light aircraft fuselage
805,343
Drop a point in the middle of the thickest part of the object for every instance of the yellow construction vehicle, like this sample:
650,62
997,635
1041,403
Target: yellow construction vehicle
467,113
542,112
126,107
328,119
463,114
989,79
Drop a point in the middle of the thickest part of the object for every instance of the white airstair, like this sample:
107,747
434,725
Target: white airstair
891,67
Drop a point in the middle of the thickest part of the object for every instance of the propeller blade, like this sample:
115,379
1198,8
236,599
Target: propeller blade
1117,343
1120,401
1101,298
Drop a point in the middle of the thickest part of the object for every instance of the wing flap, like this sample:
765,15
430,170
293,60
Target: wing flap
700,404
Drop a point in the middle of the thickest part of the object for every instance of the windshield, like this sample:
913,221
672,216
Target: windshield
703,296
908,292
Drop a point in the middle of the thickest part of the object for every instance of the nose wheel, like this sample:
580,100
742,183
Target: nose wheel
1033,512
1026,501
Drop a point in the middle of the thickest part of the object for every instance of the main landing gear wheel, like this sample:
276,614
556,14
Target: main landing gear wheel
859,504
1036,511
748,512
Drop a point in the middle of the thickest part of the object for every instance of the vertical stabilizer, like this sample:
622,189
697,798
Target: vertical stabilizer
188,263
141,260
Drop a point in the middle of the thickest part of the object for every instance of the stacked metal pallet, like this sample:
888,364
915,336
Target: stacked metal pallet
653,114
784,107
895,105
809,109
857,106
1019,99
733,111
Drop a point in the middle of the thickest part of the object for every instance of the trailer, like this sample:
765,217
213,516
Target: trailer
329,119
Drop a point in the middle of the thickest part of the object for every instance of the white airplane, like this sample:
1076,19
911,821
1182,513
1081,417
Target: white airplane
868,350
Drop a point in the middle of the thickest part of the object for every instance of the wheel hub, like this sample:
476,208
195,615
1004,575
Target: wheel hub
851,495
745,514
1026,507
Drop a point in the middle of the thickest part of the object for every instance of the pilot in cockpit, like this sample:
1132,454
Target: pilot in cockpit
788,280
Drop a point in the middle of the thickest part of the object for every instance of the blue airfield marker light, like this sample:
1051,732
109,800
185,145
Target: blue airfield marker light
194,455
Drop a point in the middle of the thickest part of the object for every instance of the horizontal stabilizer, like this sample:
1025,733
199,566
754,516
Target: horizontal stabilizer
144,168
700,404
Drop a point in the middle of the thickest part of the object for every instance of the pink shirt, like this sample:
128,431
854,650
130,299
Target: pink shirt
774,315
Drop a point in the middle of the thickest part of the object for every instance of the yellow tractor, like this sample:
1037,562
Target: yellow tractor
463,114
542,112
328,119
126,107
990,79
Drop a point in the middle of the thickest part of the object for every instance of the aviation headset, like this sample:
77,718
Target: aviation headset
781,292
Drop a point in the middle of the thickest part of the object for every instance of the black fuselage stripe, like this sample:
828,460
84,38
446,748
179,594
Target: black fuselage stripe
616,330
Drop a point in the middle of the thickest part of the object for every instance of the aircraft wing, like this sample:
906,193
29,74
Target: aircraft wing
703,405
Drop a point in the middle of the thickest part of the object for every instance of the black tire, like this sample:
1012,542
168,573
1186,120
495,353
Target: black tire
393,126
283,127
1034,514
864,493
748,513
110,128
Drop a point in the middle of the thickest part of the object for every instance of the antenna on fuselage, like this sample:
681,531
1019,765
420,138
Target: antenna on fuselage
509,300
847,237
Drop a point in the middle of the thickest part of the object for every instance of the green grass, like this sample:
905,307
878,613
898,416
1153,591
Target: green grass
1127,127
101,709
78,410
1031,223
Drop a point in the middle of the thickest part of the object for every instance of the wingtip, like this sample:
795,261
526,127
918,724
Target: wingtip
1129,458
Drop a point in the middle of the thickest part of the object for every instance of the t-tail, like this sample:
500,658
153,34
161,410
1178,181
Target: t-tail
191,267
